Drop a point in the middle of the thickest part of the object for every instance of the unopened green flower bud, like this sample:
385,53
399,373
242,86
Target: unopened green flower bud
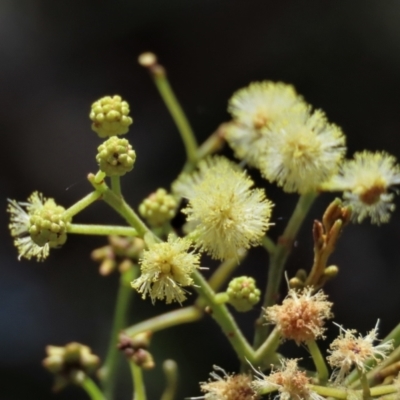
116,157
158,208
70,363
243,293
48,225
110,116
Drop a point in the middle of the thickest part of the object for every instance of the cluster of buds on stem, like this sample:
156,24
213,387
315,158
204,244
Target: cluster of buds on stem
136,349
70,364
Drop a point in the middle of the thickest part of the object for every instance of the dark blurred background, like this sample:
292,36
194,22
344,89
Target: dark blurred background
57,57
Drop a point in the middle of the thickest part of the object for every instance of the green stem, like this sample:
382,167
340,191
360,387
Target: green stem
223,272
268,245
171,374
120,206
325,391
178,115
366,392
81,204
224,319
83,229
92,389
116,185
266,351
278,260
384,389
108,372
167,320
319,361
139,392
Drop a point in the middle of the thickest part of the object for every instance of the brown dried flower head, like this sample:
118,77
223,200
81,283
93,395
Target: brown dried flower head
227,387
291,382
301,316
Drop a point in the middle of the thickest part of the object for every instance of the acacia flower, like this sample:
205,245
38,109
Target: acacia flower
256,107
226,214
349,351
366,181
301,316
288,380
166,267
304,150
227,387
36,226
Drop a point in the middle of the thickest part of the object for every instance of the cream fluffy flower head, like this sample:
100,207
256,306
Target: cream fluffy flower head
288,380
301,316
261,103
304,150
226,214
254,108
348,351
366,181
166,268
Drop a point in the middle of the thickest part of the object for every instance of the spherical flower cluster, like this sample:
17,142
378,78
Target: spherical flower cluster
226,214
70,363
243,293
303,151
288,380
115,157
348,351
301,316
366,181
158,208
166,268
255,108
37,226
110,116
227,387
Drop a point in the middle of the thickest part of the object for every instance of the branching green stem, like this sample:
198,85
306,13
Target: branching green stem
83,229
108,372
120,206
342,393
224,319
278,260
265,353
177,113
81,204
167,320
269,245
319,361
92,389
139,391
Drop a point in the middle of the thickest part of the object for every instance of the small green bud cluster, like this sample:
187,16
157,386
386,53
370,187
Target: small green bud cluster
70,363
115,157
48,226
158,208
110,116
243,293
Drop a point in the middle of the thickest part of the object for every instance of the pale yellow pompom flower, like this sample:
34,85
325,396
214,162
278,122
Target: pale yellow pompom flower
366,181
349,351
261,103
166,268
254,108
304,150
226,214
